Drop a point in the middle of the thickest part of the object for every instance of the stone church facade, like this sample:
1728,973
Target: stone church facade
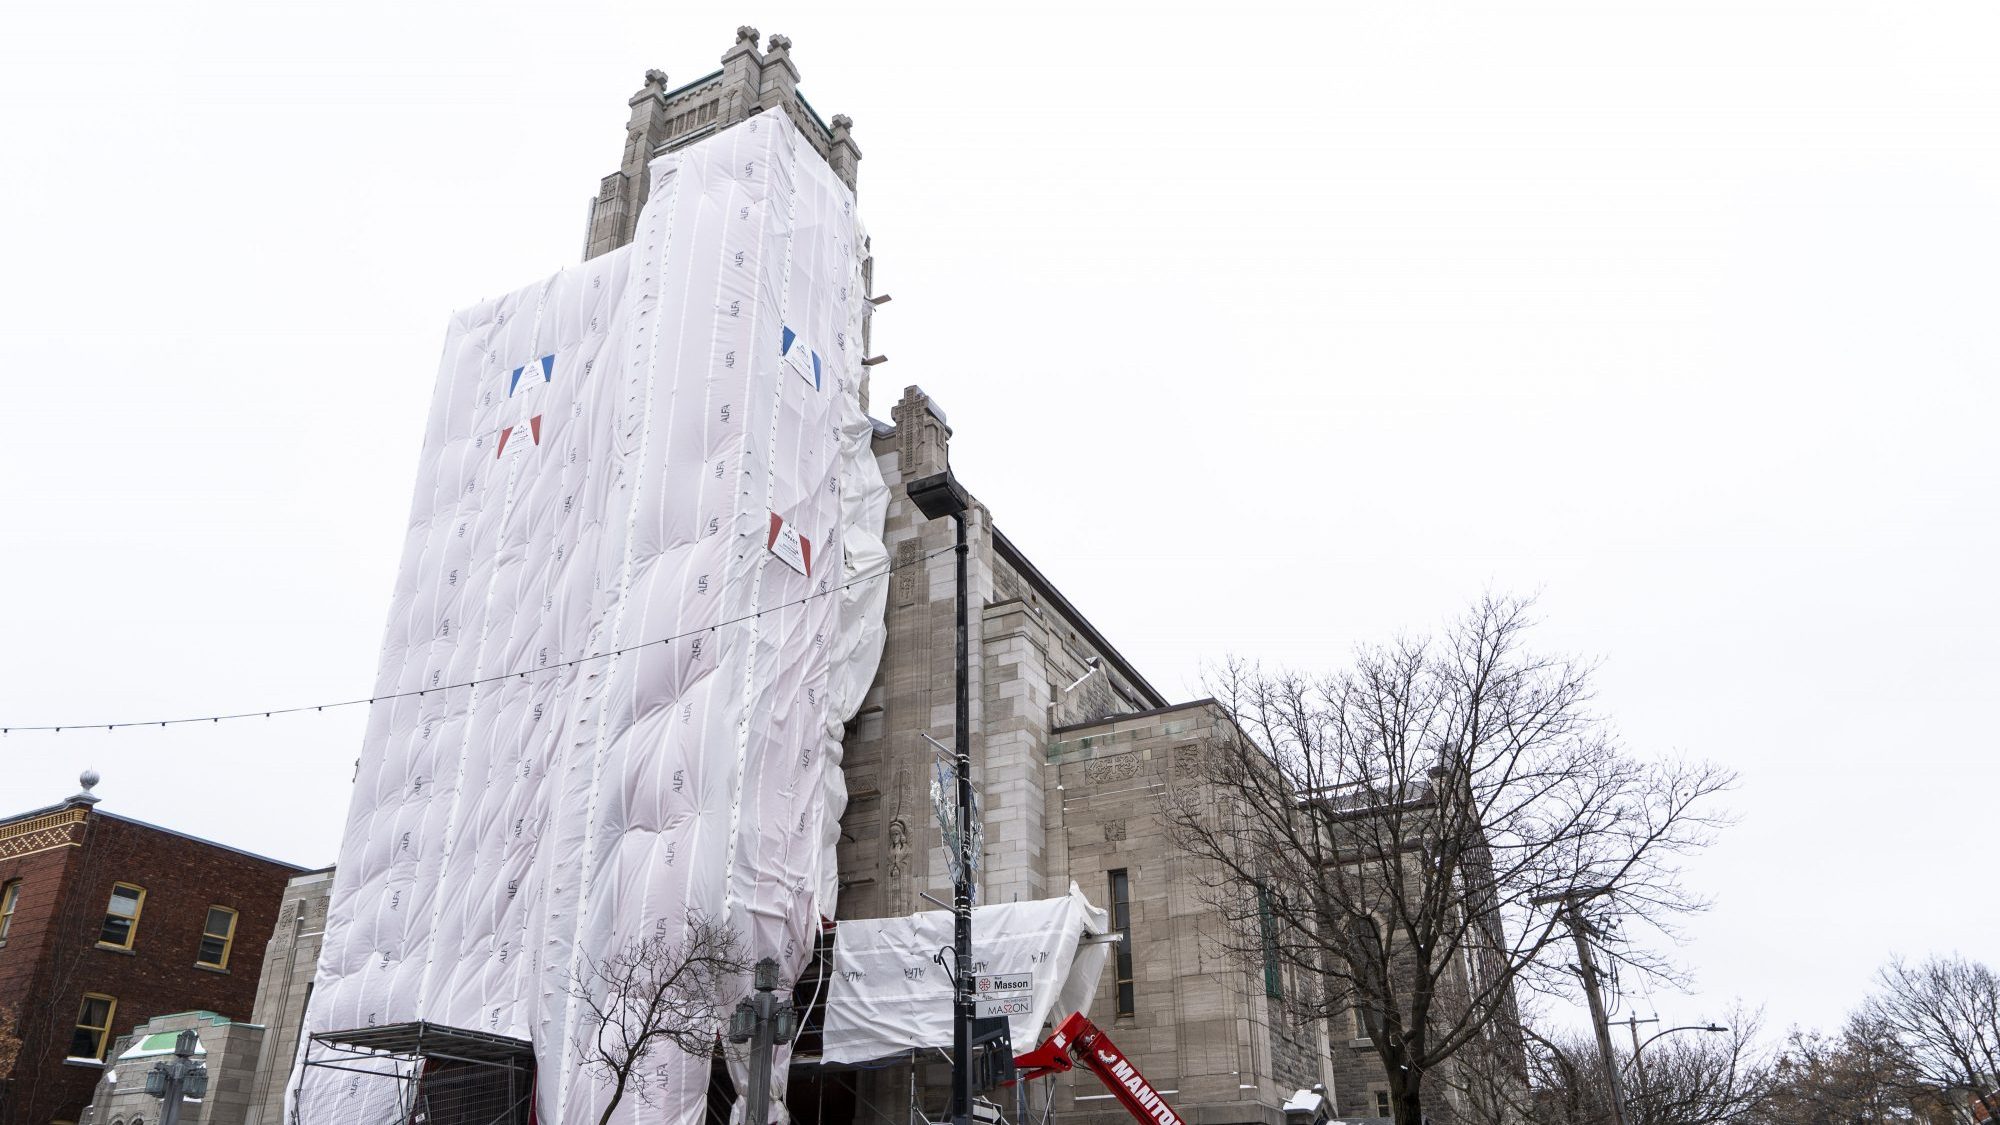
1072,747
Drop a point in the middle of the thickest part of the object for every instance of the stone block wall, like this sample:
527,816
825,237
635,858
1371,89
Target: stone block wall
229,1050
1202,1028
284,989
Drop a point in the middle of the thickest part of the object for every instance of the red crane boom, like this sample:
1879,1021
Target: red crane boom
1086,1043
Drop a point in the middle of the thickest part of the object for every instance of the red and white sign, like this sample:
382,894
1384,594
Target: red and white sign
534,436
795,550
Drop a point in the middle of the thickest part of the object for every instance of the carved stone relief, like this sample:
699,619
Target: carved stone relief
896,886
908,573
1124,767
899,867
1188,760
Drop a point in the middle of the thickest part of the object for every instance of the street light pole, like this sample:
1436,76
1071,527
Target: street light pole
1638,1065
182,1078
1632,1023
763,1022
1684,1027
941,495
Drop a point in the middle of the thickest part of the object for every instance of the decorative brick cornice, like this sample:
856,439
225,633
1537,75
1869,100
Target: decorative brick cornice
41,833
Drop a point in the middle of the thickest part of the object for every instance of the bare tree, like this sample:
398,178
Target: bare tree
10,1042
1859,1076
1396,834
1701,1079
1944,1015
664,988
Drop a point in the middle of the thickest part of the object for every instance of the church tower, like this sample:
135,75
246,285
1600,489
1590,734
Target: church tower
1071,746
664,119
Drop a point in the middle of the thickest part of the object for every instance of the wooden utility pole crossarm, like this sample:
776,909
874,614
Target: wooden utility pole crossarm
1586,967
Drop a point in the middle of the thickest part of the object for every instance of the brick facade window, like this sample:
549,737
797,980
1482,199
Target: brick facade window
1121,922
9,895
121,916
93,1027
216,938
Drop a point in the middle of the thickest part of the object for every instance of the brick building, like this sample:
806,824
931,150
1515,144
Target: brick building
107,922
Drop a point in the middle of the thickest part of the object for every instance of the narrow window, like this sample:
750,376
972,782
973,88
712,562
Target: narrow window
1382,1104
1267,926
1121,921
216,937
121,917
1366,961
1364,1021
93,1027
9,895
304,1008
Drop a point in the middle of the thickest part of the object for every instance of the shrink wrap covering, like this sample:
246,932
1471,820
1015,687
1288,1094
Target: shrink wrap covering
644,519
889,995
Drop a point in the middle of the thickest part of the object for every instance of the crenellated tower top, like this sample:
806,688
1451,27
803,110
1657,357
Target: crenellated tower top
666,118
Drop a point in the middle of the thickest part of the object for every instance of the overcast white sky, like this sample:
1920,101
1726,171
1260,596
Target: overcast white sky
1265,330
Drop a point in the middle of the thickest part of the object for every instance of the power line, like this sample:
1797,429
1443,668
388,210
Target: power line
521,675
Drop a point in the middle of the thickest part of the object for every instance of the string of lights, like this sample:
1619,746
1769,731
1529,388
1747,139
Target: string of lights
359,701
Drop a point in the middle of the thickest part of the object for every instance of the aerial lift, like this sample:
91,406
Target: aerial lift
1080,1041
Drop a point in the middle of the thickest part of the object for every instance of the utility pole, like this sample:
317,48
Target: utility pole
1599,1021
1586,968
1632,1023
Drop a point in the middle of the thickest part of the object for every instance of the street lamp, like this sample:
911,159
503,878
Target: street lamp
941,495
763,1023
1639,1065
1662,1035
181,1078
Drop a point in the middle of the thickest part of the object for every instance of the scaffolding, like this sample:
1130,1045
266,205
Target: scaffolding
441,1075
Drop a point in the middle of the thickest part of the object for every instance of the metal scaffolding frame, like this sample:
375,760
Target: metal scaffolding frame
446,1075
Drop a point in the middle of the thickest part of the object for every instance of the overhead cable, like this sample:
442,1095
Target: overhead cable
519,675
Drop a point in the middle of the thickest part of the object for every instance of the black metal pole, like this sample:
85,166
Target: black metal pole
758,1110
961,1032
936,496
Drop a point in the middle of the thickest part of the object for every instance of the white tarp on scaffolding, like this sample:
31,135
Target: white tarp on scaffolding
645,496
889,994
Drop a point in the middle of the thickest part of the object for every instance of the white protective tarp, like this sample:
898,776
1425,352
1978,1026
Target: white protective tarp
644,517
890,995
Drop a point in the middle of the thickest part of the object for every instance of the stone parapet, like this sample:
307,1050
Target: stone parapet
749,82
